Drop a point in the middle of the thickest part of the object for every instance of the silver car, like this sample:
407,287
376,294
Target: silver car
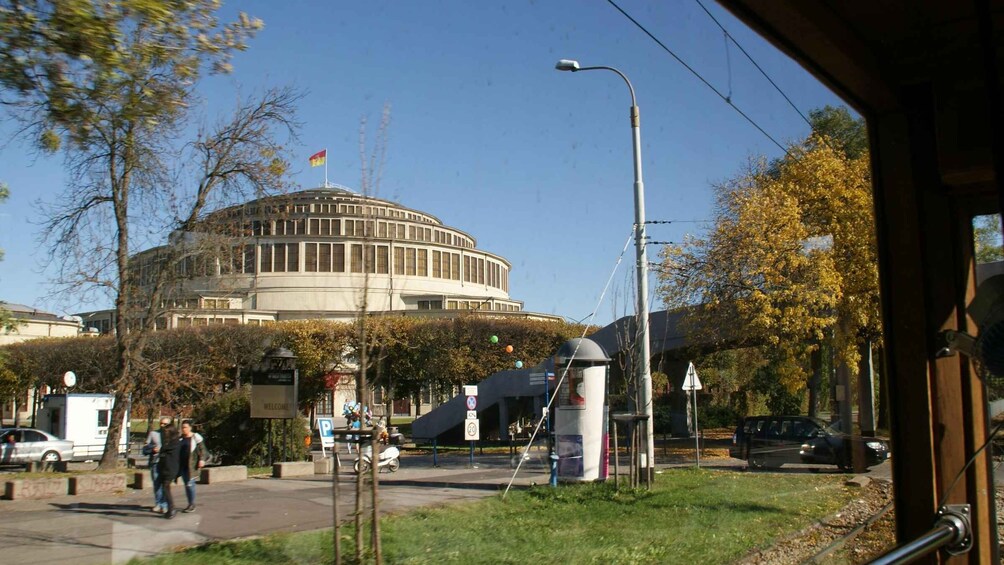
20,446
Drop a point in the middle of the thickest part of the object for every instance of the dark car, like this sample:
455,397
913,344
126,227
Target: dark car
771,441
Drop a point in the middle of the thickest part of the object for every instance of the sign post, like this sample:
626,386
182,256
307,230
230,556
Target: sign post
326,429
693,384
472,426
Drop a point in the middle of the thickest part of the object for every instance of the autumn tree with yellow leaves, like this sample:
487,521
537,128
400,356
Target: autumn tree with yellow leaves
790,262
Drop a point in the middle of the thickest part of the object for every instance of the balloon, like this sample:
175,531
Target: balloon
519,364
508,349
495,339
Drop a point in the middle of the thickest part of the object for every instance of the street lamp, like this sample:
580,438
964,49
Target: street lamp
643,373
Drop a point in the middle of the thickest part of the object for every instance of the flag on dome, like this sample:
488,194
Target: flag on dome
319,158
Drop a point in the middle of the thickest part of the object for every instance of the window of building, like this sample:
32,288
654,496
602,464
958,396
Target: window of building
279,258
370,259
310,257
104,418
398,260
400,231
293,257
382,260
455,267
437,268
422,267
249,259
356,258
338,258
265,252
409,261
451,304
382,229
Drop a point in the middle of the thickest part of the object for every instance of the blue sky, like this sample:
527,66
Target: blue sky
534,163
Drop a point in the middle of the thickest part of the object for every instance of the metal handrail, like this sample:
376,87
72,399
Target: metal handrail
951,531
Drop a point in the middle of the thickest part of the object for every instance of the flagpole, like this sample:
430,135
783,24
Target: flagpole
325,167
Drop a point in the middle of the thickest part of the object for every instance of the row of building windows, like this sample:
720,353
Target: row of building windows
319,257
353,228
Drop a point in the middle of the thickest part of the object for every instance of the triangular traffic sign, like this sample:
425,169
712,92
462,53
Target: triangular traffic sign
692,382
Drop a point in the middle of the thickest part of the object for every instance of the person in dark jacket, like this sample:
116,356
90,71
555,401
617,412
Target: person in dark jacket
169,463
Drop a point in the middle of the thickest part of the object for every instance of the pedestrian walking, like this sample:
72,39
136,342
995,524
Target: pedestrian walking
169,463
191,459
152,449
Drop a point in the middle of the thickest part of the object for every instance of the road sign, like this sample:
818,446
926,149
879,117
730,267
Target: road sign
472,414
470,390
472,430
472,402
692,382
326,427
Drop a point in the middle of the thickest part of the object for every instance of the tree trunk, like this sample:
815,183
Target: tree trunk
814,381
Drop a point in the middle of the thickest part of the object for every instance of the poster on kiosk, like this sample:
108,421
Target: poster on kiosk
581,413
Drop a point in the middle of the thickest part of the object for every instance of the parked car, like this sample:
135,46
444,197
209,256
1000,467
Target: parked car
20,446
771,441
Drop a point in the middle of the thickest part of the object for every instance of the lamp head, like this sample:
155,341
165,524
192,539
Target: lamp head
567,65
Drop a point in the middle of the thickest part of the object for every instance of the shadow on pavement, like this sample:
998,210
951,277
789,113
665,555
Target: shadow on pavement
106,509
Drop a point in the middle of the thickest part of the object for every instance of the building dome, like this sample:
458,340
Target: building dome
310,254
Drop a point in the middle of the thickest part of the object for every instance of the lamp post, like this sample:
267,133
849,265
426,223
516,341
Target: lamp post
643,373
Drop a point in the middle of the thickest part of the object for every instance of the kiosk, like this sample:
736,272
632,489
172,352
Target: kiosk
581,414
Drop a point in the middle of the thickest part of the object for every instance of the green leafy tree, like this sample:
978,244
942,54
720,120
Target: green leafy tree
112,83
987,238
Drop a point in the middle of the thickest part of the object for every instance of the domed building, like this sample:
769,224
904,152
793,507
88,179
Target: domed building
309,255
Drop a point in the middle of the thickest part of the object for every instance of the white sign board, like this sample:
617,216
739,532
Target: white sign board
472,414
692,382
472,430
470,390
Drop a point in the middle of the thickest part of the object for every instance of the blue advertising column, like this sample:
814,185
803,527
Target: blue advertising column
581,413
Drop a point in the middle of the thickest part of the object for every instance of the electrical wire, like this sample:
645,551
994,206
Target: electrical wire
955,482
750,57
724,98
564,372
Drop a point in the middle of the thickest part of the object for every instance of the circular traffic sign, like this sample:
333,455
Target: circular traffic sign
472,402
472,429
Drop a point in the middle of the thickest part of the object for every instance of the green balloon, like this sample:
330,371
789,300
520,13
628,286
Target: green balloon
495,339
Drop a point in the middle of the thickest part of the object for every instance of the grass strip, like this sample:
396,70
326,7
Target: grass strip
691,515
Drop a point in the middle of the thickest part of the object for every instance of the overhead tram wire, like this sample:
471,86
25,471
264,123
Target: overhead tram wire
724,98
755,64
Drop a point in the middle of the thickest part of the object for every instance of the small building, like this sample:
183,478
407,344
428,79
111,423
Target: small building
32,323
83,419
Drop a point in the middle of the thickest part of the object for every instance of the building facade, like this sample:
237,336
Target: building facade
32,323
312,254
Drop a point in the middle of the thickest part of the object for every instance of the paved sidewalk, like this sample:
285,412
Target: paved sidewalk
117,527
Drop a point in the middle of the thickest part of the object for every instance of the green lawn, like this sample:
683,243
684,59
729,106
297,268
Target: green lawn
691,516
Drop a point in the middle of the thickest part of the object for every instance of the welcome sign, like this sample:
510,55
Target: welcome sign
273,394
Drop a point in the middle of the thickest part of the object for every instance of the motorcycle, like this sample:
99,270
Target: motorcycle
389,458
